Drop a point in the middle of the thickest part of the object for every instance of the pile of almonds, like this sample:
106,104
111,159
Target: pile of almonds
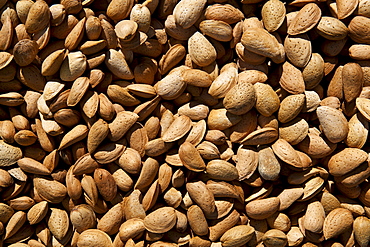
184,123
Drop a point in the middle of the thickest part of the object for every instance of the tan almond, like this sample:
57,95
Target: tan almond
273,15
160,220
190,157
256,211
353,80
240,99
286,153
94,238
332,28
290,107
201,50
73,66
336,222
292,79
327,116
178,128
202,196
187,12
305,20
238,235
352,157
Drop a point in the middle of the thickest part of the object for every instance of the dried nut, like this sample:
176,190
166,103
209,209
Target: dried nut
327,116
201,50
160,220
305,20
351,157
336,222
94,238
262,208
187,12
9,154
236,236
274,237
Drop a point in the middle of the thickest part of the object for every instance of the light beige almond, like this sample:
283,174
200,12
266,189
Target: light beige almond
73,66
331,28
267,101
236,236
240,99
286,153
187,12
298,49
290,107
273,15
178,128
94,238
353,80
201,51
202,196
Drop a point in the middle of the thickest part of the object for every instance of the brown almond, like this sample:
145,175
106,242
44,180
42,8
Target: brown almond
38,17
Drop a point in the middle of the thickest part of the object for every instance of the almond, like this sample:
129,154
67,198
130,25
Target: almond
336,222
